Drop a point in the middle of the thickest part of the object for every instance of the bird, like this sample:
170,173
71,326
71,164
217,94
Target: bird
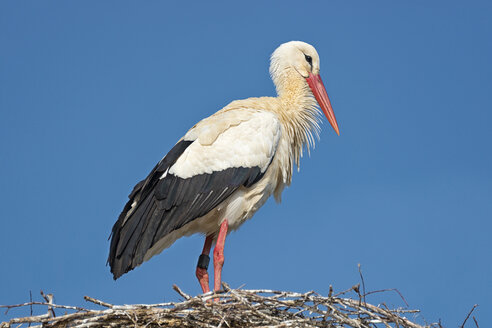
225,168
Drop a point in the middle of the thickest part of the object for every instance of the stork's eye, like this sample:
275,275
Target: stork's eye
309,59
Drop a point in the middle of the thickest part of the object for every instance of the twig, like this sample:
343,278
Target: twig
180,292
469,313
30,306
354,287
49,300
98,302
389,290
56,306
363,284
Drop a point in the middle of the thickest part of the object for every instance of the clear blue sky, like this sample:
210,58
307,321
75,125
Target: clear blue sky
93,94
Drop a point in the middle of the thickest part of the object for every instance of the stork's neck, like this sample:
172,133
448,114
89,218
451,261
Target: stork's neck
292,90
298,112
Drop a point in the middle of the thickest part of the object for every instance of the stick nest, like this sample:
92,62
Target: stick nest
233,308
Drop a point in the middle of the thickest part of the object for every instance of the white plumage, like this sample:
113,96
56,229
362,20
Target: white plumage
233,138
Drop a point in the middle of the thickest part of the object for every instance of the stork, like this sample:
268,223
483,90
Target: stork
225,168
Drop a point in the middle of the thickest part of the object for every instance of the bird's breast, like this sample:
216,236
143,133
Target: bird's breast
244,202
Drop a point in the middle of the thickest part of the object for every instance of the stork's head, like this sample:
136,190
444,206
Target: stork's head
299,59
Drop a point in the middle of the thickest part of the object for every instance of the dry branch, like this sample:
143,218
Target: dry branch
235,308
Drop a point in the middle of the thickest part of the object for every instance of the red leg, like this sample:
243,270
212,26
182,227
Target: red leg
219,254
202,266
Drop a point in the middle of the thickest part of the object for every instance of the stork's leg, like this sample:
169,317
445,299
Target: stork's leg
202,266
219,254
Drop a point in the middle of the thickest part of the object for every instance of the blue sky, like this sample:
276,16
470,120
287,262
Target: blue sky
93,94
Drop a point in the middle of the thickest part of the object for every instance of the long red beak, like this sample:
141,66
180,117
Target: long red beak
319,92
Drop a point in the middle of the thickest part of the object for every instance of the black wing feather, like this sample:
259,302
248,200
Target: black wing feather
165,205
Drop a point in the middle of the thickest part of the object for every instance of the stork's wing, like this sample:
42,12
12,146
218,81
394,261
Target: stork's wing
216,157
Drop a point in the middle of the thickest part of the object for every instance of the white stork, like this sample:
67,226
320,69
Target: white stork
225,168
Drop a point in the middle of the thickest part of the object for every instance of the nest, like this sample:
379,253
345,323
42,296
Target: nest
226,308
